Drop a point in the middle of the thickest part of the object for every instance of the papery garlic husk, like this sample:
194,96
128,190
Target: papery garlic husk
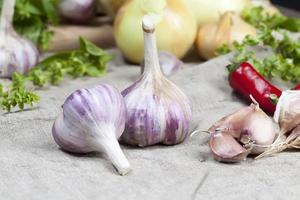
78,11
93,120
250,127
158,111
287,113
17,54
175,27
231,27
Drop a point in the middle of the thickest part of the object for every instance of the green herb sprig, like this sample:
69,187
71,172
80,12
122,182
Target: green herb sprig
285,60
89,60
32,19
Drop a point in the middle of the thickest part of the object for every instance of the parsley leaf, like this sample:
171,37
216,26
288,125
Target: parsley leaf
89,60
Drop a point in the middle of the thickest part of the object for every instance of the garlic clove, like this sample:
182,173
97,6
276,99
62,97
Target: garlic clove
93,120
226,149
287,112
294,138
249,126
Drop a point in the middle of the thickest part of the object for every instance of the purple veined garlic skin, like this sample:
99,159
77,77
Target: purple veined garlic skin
158,111
17,54
168,62
78,11
93,120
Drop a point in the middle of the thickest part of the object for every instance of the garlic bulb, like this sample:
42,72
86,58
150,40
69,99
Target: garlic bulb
93,120
17,54
231,27
207,11
287,112
175,30
78,11
287,115
158,111
249,126
169,63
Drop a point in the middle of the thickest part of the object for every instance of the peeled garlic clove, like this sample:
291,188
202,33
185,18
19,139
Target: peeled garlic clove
230,27
225,148
287,112
17,54
158,111
93,120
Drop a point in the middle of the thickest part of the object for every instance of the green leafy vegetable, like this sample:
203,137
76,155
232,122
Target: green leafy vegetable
285,60
32,19
89,60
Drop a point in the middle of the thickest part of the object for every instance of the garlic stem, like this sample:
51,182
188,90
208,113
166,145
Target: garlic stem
115,155
150,48
7,14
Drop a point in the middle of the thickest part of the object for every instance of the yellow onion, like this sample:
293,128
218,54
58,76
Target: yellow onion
231,27
175,32
206,11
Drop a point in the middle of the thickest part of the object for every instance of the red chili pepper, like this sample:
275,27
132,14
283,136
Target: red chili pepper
247,81
297,87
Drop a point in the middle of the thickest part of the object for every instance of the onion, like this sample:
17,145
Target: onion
175,31
206,11
231,27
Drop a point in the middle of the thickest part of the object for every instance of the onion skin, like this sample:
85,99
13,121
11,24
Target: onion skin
231,27
77,11
175,31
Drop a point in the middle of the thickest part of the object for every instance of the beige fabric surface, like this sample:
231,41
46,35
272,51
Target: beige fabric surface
33,167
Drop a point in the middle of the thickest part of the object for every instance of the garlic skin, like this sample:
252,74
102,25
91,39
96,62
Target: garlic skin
249,126
231,27
158,111
17,54
169,63
93,120
78,11
287,112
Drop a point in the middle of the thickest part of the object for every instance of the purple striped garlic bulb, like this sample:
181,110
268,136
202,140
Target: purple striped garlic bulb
17,54
78,11
93,120
158,111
